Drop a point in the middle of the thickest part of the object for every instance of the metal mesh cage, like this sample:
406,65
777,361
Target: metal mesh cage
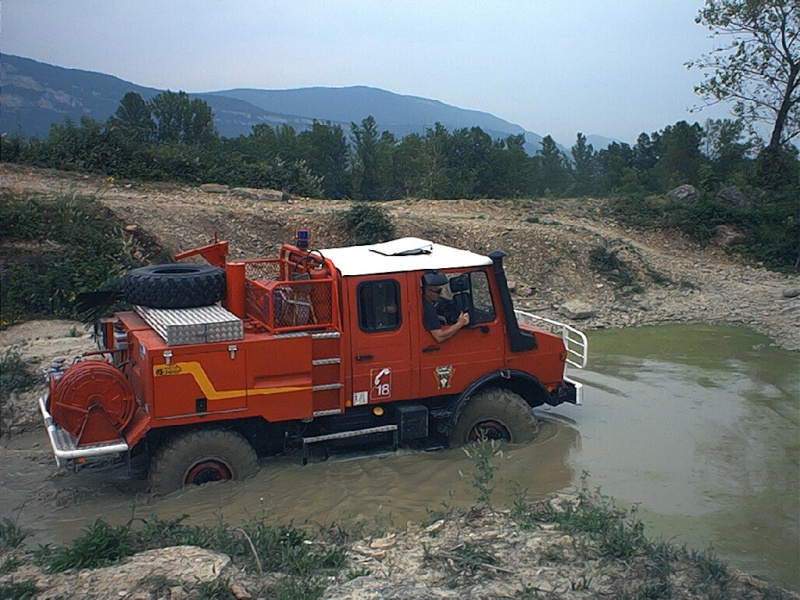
263,270
290,305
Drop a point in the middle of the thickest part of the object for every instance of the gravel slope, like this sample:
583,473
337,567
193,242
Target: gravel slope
668,278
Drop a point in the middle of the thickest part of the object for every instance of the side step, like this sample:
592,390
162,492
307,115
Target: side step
348,434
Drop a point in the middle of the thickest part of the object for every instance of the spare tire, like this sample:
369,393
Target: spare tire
174,285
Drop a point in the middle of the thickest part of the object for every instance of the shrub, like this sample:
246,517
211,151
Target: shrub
14,377
100,545
607,263
771,226
59,248
368,224
11,536
20,590
257,544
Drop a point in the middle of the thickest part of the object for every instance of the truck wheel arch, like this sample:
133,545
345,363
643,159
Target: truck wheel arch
527,387
498,413
199,456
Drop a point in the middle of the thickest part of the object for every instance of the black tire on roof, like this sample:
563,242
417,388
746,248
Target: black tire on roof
174,285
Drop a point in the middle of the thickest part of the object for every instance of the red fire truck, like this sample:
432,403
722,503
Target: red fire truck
219,363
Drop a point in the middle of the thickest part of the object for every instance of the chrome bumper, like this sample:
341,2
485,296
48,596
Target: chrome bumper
64,445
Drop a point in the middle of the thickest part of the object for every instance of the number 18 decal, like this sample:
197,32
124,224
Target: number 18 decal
381,383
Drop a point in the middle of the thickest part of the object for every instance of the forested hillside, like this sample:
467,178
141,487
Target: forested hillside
172,137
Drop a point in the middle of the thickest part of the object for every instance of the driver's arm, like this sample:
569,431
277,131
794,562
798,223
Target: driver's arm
440,335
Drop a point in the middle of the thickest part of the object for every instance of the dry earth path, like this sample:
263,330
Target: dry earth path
662,276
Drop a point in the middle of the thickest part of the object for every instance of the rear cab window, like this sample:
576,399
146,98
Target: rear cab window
378,305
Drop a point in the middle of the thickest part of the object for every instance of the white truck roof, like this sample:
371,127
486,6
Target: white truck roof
404,254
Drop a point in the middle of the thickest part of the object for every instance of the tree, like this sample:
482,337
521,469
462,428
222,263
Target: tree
469,158
725,145
366,183
133,119
324,148
584,160
179,119
759,68
615,163
679,156
553,163
519,174
435,181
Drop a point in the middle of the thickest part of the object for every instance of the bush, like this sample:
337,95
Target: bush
20,590
11,536
99,546
771,226
619,533
255,545
58,248
368,224
14,377
282,548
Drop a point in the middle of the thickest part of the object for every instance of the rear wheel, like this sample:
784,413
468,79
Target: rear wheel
496,414
201,456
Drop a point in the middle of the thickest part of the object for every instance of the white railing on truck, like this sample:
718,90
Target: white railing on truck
575,341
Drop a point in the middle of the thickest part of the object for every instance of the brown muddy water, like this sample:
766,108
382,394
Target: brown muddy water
697,426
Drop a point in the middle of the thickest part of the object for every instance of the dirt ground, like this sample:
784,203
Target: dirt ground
670,278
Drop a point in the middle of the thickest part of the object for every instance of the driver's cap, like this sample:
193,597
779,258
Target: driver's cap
434,279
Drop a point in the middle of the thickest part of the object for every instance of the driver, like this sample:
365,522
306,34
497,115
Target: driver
432,284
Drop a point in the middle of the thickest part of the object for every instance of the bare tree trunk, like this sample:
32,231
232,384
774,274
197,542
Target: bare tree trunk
783,112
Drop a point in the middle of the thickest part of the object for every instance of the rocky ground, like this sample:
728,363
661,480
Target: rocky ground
654,276
481,553
659,277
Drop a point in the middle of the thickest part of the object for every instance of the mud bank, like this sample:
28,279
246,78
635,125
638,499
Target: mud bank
563,547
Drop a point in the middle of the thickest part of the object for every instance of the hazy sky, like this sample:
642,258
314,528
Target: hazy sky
609,67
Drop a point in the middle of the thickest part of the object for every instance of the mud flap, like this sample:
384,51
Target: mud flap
571,391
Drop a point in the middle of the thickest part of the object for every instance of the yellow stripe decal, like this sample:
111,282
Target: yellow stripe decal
196,370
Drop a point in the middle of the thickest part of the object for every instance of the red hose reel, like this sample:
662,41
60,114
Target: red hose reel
93,401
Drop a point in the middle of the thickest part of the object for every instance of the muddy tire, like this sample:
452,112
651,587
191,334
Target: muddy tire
174,285
201,456
497,414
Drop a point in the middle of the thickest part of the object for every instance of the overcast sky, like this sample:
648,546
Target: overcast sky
608,67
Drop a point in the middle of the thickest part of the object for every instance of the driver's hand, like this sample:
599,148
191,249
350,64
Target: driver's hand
463,319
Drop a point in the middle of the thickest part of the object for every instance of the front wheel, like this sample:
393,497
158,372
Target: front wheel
495,414
201,456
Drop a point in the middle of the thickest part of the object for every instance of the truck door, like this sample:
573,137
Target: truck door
380,339
449,367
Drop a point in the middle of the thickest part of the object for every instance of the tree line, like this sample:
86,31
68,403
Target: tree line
172,137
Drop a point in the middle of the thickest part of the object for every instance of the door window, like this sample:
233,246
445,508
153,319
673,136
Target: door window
483,309
466,292
378,305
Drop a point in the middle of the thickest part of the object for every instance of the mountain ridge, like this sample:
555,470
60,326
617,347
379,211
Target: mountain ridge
36,95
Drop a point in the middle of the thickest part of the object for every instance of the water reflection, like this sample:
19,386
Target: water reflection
700,425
